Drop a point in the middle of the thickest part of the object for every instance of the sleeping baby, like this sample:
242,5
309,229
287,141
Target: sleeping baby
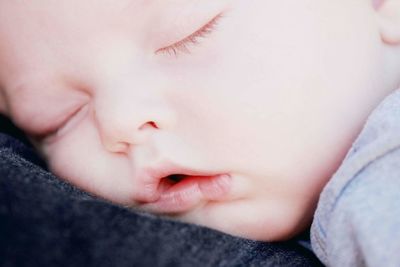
231,114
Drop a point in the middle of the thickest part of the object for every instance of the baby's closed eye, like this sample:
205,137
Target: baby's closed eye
59,129
182,45
41,112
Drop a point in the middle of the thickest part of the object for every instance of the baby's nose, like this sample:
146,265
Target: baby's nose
130,121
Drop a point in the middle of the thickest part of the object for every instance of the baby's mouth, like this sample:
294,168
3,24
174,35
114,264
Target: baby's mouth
176,178
180,193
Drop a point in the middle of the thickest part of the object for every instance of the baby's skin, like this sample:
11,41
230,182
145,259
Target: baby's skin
232,114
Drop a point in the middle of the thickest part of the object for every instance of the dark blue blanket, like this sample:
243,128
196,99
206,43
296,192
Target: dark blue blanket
47,222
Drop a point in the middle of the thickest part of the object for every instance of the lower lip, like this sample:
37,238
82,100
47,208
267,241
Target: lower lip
189,192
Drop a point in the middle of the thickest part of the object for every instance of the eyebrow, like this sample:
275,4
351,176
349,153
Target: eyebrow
131,4
142,3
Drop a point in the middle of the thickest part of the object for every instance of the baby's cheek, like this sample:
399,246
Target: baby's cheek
79,158
266,218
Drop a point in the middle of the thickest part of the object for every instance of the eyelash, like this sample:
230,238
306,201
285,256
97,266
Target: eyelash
182,45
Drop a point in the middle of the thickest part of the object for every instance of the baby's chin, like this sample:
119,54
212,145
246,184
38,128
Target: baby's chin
255,221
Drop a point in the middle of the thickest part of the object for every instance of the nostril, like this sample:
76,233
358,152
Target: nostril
149,124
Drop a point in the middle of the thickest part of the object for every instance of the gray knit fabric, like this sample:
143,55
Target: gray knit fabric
357,222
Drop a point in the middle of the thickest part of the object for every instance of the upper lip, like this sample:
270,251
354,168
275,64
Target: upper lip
151,178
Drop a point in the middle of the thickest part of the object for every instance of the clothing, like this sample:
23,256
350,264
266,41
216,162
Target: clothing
47,222
357,221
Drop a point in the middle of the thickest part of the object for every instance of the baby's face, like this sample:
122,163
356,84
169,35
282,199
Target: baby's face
254,102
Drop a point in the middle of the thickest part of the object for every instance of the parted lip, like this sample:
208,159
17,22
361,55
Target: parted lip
153,178
167,169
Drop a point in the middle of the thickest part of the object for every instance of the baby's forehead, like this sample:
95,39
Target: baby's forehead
91,6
